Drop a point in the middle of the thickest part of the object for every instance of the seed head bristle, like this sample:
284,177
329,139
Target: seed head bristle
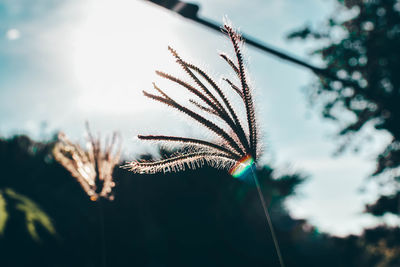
180,163
200,106
195,143
234,124
234,87
236,39
232,144
231,63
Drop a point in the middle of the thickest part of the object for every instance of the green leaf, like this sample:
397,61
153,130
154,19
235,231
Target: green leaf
3,213
34,215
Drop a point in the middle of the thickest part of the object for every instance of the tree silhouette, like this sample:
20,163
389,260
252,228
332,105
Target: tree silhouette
366,58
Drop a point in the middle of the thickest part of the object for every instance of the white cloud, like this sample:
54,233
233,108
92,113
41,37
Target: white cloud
13,34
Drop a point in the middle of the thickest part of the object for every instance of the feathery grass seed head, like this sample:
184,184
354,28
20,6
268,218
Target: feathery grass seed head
236,144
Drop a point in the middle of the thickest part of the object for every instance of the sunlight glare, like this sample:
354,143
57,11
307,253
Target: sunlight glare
116,50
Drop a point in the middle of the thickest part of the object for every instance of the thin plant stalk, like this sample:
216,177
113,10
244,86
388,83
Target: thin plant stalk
271,227
102,234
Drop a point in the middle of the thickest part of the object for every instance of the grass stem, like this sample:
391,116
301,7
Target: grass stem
264,205
102,234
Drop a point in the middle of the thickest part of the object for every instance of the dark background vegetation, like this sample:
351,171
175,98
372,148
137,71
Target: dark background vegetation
205,217
194,218
367,64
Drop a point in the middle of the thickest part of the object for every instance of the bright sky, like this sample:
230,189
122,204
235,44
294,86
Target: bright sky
62,63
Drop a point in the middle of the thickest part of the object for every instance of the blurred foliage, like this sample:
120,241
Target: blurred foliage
377,246
33,214
199,217
383,245
3,213
362,49
385,204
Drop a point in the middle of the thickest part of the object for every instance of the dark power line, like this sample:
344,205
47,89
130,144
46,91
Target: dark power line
190,11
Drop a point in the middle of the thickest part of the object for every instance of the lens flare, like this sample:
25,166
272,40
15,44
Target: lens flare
243,168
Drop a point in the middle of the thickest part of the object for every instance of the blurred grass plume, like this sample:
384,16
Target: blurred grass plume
93,168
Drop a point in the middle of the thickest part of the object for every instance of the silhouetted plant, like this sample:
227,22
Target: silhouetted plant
235,147
232,143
